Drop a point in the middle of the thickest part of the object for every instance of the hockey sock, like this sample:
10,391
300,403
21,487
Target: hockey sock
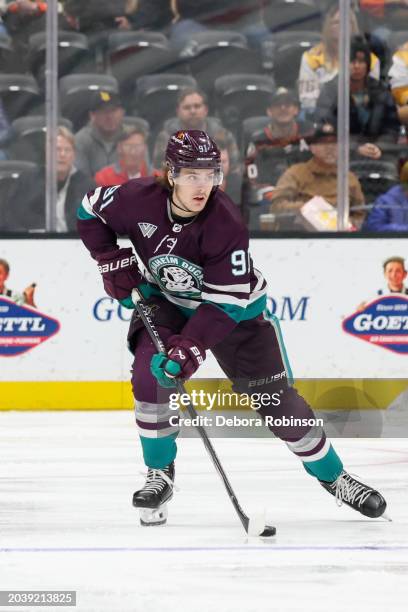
328,468
158,453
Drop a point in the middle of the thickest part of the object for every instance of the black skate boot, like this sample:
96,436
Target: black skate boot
152,499
357,495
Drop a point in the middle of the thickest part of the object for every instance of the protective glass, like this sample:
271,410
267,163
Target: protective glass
205,177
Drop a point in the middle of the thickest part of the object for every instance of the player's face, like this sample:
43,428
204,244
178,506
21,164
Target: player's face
193,187
65,156
3,276
192,111
395,275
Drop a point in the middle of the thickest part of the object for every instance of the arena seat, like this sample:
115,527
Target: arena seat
75,98
28,140
283,53
20,95
22,201
73,54
241,96
216,53
156,96
135,54
375,177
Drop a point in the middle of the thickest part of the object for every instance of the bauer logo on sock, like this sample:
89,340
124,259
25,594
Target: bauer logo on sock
23,328
383,322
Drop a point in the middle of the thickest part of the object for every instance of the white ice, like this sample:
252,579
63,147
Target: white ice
66,522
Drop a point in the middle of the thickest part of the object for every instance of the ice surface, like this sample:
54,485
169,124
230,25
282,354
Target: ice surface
67,522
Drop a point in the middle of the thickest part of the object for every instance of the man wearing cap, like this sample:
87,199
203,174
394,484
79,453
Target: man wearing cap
281,143
96,142
316,177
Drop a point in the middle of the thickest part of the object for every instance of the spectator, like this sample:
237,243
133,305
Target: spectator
72,183
390,210
132,159
395,273
192,16
316,177
320,64
398,76
192,114
96,142
98,15
231,183
155,15
27,297
22,18
373,115
277,146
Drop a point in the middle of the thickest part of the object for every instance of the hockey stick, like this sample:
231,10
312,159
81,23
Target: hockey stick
252,526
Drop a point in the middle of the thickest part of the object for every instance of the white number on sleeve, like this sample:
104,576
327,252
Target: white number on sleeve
239,262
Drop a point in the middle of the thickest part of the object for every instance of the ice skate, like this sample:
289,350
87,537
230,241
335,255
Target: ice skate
153,497
357,495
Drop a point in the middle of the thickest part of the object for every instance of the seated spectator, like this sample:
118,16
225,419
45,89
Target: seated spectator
26,297
192,114
72,183
192,16
316,177
398,76
96,142
22,18
155,15
132,159
320,64
390,210
96,15
277,146
231,183
373,114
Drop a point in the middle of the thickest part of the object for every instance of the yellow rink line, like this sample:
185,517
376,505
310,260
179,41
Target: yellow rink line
110,395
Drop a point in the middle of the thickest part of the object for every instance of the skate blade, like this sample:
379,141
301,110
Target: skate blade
386,517
152,517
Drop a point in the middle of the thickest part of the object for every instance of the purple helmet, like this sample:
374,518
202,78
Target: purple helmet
192,149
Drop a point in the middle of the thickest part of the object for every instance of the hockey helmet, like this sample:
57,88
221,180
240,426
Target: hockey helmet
193,149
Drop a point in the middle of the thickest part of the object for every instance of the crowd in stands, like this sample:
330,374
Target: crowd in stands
277,135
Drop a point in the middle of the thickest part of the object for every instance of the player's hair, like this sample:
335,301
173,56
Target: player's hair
130,130
163,180
396,259
5,265
64,132
189,91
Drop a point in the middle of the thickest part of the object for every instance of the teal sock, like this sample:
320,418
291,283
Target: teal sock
328,468
159,452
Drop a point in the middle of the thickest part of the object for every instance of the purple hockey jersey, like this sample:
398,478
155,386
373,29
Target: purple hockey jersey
203,266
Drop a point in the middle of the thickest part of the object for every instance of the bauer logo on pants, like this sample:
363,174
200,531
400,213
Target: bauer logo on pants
23,328
383,322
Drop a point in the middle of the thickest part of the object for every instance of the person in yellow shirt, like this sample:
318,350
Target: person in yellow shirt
321,63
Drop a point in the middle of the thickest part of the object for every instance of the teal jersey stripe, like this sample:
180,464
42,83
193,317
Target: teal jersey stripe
83,214
276,325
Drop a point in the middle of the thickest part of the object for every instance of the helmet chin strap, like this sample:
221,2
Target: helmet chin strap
183,207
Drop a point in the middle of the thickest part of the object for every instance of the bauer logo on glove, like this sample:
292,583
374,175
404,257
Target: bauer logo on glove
183,359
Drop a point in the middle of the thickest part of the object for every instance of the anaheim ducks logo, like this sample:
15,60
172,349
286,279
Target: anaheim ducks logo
177,275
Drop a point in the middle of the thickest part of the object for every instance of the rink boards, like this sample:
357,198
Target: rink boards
70,352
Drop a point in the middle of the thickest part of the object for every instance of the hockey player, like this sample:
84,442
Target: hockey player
203,292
